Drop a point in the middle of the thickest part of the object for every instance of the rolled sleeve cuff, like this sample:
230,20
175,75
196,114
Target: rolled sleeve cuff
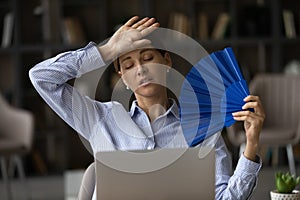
247,167
90,59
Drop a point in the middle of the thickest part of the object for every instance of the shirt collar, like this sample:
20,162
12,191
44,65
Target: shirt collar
134,108
173,109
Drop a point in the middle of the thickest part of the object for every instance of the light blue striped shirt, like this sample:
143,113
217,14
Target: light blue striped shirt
108,126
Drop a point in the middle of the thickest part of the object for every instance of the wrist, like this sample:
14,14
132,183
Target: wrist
106,53
251,151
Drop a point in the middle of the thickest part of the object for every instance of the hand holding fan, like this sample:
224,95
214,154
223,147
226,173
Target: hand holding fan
213,89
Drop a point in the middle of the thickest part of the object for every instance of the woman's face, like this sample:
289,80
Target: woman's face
144,71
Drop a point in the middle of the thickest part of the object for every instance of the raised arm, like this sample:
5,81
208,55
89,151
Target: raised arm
50,76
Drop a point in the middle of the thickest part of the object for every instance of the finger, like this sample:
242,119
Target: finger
241,118
145,23
131,21
254,105
247,116
149,22
252,119
258,108
140,23
150,29
251,98
251,104
244,116
241,113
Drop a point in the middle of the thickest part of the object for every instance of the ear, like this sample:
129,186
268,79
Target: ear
120,73
168,59
121,76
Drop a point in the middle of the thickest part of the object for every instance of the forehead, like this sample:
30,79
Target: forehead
136,53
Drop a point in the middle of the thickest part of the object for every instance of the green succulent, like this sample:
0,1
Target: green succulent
286,183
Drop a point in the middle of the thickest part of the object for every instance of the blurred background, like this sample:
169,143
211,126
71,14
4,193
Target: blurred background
264,35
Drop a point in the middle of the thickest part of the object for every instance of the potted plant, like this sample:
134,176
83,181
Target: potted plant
285,187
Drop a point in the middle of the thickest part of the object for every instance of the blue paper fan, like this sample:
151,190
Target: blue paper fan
213,89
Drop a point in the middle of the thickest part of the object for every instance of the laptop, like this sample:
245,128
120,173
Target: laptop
160,174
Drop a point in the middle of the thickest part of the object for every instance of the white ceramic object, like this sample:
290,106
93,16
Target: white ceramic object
281,196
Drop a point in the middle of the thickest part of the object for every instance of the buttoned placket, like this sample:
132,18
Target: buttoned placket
145,125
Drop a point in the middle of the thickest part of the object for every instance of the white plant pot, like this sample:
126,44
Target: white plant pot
281,196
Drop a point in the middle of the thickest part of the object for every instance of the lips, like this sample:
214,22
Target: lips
145,81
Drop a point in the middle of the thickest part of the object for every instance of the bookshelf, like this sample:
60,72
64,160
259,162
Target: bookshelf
254,29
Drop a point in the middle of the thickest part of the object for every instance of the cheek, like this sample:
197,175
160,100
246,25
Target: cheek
128,77
160,72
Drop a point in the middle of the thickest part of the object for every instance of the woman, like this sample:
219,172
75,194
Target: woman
153,120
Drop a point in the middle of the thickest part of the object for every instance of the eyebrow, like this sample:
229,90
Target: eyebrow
141,52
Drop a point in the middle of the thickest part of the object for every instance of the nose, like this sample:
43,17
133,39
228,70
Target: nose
141,69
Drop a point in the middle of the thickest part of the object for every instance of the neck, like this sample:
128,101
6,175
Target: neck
154,106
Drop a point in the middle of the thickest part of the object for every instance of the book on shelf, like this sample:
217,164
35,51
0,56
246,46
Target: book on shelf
289,24
203,33
50,12
220,27
73,32
180,22
7,33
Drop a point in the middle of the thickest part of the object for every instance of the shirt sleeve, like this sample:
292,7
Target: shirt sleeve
240,184
50,78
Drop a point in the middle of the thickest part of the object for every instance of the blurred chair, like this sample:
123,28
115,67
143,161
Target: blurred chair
88,183
16,133
280,96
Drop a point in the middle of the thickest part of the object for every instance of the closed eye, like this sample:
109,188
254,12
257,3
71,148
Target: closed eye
127,65
147,57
